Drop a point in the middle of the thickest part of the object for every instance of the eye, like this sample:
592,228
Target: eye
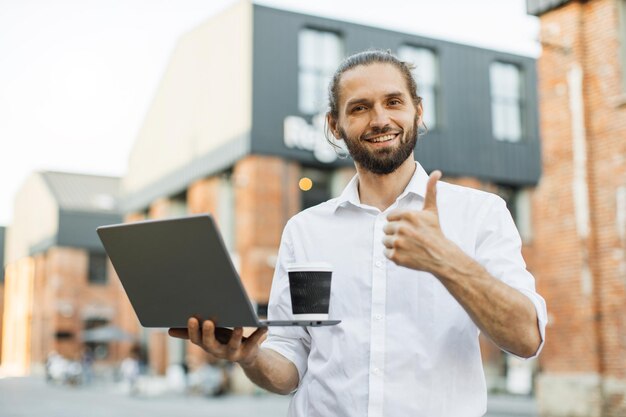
358,108
394,102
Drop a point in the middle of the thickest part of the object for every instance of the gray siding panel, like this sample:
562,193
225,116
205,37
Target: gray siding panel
462,145
538,7
78,229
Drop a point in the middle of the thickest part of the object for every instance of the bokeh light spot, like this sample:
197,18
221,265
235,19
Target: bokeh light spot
305,184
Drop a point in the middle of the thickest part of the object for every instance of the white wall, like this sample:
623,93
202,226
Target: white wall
204,100
35,218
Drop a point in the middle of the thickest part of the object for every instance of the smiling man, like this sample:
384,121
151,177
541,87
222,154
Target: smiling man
420,267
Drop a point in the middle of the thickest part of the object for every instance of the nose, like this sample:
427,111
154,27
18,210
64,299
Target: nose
379,117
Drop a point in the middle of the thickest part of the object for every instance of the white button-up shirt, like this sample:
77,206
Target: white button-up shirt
405,346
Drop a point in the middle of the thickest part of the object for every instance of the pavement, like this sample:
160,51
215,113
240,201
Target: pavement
33,397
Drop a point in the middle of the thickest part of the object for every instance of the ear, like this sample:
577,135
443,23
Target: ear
332,125
420,113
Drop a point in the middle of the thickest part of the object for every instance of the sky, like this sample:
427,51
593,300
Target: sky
77,76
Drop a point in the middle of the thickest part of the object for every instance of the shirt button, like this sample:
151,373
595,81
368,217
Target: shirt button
378,317
376,371
378,264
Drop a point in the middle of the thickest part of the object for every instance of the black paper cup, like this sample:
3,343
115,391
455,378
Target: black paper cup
309,285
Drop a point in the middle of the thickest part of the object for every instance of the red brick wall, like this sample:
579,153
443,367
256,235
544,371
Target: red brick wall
587,333
202,196
266,196
61,295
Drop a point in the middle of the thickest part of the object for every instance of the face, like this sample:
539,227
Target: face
377,117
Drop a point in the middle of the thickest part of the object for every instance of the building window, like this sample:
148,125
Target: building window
226,210
518,201
178,205
319,54
261,310
506,101
95,349
426,74
318,189
97,268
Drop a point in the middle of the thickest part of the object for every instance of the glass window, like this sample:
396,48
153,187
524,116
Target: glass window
226,210
97,268
518,201
95,350
506,101
426,75
319,189
177,205
319,54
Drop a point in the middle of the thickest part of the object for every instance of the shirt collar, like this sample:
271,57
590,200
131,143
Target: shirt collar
416,186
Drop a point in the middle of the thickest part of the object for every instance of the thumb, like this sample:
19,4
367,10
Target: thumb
430,200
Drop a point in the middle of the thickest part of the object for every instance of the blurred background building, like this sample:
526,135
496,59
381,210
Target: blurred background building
580,206
58,282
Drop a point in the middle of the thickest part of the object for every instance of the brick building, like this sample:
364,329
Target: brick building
237,122
2,235
580,206
58,281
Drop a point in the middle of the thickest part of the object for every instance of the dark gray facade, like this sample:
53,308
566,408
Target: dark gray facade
77,229
461,145
538,7
2,237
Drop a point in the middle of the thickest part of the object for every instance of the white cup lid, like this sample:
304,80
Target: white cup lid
310,266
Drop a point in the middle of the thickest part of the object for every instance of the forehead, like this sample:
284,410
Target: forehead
370,82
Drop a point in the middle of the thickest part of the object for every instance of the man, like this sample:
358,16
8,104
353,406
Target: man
419,268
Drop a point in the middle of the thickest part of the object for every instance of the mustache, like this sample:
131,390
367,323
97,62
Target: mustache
380,131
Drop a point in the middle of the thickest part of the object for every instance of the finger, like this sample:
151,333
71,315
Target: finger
390,227
430,200
179,332
193,330
396,215
389,241
235,339
208,337
388,253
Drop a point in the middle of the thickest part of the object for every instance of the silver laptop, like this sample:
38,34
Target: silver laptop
174,269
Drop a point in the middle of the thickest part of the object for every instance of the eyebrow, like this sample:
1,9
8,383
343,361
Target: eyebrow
354,101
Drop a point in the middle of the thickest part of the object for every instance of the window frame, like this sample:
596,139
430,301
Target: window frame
90,268
436,87
521,102
318,73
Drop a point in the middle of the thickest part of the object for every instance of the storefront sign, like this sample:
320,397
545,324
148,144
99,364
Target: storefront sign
299,134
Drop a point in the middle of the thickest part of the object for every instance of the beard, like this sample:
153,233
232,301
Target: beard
381,161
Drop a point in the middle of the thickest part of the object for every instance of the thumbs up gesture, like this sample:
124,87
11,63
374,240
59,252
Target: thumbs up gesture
414,239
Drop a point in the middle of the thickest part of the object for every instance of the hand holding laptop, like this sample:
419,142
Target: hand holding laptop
221,342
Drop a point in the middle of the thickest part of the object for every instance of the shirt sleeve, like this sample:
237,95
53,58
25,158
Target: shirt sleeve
499,251
292,342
